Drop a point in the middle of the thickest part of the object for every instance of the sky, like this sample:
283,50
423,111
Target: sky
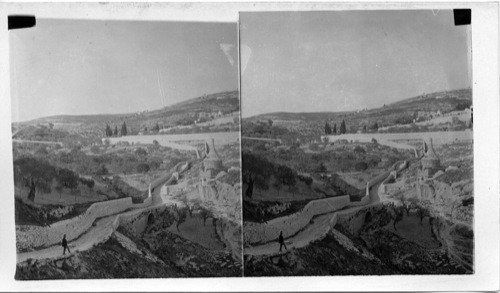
76,67
348,60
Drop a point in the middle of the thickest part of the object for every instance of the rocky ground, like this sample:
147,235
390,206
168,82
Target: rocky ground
377,250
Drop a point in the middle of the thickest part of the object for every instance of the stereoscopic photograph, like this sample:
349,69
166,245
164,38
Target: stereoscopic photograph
238,145
126,151
357,143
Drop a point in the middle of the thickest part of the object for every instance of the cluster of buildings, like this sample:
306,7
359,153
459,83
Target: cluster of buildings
204,116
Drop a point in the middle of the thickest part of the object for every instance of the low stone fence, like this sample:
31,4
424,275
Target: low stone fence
385,188
32,237
255,233
35,236
258,233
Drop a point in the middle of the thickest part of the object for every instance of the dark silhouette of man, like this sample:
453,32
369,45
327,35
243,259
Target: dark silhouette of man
65,245
281,241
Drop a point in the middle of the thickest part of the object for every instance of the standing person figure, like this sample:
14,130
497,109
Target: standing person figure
65,245
281,241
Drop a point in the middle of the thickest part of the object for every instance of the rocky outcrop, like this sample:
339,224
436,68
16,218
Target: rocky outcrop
222,198
230,233
451,206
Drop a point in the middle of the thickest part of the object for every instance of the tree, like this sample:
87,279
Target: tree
398,216
67,179
116,131
260,182
51,125
34,174
286,176
41,151
334,131
328,129
181,217
375,126
321,168
156,128
143,168
188,207
270,122
359,149
250,182
277,186
360,166
422,213
109,131
124,129
205,214
342,127
102,170
95,149
141,152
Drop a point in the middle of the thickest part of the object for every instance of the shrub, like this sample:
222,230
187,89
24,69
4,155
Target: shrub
321,168
141,152
67,178
143,168
88,182
155,163
286,175
314,147
41,151
360,166
102,170
306,179
95,149
359,149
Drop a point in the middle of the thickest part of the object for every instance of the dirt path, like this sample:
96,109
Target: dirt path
98,233
318,229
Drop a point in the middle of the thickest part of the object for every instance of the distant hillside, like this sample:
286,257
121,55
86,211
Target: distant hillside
183,113
401,112
443,101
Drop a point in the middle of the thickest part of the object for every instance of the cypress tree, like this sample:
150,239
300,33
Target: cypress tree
334,128
328,129
116,131
342,127
108,131
124,129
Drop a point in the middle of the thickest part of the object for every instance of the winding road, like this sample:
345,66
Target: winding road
317,230
100,231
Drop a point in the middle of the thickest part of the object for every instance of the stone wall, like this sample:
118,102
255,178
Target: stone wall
255,233
353,220
258,233
31,237
28,237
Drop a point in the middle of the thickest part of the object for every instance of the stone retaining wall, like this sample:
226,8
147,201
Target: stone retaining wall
33,237
258,233
36,236
255,233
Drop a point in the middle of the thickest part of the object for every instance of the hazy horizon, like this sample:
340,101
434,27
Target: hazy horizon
335,61
92,67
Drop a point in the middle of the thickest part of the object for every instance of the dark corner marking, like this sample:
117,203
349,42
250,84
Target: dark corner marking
21,21
462,16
